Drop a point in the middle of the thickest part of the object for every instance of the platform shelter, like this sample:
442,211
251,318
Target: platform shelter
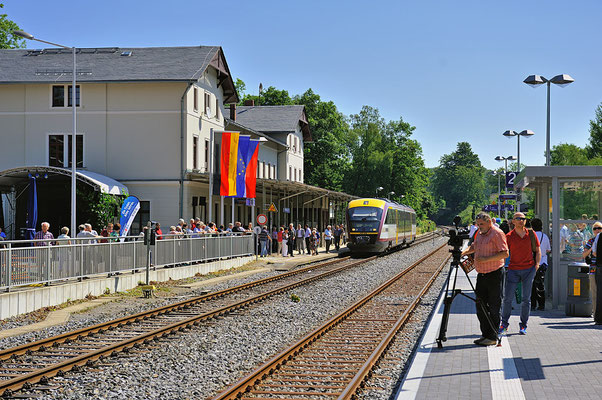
568,199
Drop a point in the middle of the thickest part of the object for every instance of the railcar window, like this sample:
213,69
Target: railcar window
364,219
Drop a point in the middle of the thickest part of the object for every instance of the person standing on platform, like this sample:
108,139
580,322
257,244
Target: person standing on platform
538,291
291,239
597,252
591,260
307,235
337,237
328,237
489,249
300,239
523,245
284,243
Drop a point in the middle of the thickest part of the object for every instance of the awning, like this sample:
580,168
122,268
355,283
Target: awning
13,176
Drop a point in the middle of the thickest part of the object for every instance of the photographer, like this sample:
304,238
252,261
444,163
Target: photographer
490,249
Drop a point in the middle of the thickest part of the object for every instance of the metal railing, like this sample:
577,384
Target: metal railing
27,262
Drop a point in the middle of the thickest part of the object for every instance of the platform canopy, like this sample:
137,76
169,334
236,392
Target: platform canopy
104,184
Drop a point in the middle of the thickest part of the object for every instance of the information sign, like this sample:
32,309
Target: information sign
507,196
510,178
286,210
251,202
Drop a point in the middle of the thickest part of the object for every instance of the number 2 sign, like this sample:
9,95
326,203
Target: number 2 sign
510,177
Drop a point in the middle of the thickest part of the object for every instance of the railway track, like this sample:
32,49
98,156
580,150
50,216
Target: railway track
36,362
333,360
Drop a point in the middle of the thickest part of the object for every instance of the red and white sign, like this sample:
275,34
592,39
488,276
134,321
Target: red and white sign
262,219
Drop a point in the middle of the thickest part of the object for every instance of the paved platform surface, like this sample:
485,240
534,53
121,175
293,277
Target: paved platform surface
559,358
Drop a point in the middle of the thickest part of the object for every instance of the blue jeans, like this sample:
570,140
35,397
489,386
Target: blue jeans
513,277
264,247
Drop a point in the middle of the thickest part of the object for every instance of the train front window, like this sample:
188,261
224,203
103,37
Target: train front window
364,219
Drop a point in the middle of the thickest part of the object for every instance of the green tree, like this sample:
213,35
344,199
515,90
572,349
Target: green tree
385,155
459,180
327,157
7,39
594,149
241,88
568,154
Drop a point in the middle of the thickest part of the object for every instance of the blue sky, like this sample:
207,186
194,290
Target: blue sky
453,69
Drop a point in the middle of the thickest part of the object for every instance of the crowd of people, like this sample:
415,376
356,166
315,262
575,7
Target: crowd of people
283,241
279,241
512,252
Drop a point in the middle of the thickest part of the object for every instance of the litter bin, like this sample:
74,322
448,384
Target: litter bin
578,302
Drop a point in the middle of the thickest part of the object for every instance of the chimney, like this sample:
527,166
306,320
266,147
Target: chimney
233,112
250,103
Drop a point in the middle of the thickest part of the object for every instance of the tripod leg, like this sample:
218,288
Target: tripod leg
449,298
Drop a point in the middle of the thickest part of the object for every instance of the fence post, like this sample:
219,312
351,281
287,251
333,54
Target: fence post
133,264
173,239
81,261
110,256
9,272
48,265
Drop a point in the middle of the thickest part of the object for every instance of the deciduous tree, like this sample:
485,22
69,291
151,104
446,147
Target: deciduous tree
7,39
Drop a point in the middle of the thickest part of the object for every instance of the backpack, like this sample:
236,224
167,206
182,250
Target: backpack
534,245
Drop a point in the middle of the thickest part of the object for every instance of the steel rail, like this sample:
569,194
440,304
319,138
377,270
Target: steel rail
33,346
245,384
42,374
382,347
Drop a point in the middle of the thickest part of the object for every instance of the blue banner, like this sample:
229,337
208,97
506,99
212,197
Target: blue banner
129,209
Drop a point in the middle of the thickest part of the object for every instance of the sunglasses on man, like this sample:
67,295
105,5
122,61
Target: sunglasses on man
520,218
597,228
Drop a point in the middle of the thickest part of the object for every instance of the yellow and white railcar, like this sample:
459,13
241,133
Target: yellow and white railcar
377,225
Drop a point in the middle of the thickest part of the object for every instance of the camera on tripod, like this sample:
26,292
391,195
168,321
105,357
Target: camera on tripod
456,240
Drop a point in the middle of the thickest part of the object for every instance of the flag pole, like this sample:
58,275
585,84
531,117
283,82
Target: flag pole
211,146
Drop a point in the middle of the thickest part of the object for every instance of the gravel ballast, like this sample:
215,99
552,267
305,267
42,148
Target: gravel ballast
205,360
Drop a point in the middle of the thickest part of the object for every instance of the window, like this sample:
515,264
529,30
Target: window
56,145
207,104
261,170
295,174
79,151
300,178
206,154
58,95
141,218
290,173
59,154
265,171
216,107
195,151
196,99
295,147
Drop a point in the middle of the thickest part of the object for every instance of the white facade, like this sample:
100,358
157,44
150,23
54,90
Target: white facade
142,134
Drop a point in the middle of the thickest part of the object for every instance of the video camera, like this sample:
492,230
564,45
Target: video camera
458,235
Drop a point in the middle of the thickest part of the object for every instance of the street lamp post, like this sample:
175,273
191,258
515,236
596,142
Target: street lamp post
505,160
499,175
560,80
29,36
391,195
525,133
378,189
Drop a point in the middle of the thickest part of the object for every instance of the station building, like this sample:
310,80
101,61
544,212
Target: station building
145,122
